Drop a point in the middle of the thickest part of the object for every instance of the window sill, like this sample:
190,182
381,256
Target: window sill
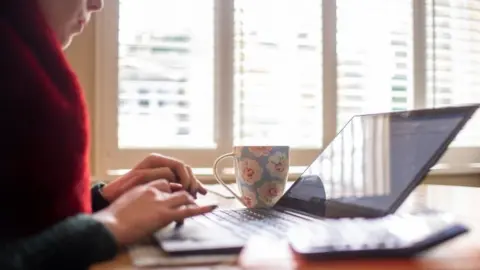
440,174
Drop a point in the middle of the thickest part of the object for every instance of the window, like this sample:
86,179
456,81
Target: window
199,76
369,53
278,73
453,62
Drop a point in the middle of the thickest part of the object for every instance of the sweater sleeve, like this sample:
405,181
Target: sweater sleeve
75,243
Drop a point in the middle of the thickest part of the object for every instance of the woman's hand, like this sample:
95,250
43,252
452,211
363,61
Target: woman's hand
152,168
145,209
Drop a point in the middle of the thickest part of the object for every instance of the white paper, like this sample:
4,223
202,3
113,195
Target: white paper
151,256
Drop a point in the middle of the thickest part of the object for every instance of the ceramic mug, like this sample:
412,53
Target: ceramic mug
261,173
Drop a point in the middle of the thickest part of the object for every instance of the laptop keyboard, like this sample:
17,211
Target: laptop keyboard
246,222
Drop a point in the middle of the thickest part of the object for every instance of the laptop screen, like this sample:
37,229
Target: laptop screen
374,162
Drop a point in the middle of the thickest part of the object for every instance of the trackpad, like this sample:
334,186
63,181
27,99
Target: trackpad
194,238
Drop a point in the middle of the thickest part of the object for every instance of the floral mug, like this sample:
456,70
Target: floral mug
261,173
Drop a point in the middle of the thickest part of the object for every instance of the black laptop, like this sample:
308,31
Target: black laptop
368,170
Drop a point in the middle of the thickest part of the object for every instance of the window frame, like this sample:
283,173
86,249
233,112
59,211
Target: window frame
108,157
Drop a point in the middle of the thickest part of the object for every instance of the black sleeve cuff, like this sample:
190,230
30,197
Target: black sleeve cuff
98,201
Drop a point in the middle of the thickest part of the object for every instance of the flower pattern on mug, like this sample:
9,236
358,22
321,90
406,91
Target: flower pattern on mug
270,192
249,198
260,151
278,165
250,170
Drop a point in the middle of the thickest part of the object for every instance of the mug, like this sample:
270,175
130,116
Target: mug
261,173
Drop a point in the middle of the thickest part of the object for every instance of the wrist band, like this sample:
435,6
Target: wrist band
98,201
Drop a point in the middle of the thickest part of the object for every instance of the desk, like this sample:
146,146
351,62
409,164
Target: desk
460,253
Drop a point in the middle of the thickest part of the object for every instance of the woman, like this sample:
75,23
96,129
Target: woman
47,218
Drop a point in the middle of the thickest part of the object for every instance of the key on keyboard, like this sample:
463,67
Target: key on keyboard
245,222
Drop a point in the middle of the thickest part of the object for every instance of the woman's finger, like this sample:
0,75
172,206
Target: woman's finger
193,182
178,199
161,185
190,211
181,172
158,161
154,161
174,187
149,175
151,162
178,168
200,187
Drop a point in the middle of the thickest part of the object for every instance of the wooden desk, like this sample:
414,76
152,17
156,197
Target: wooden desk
460,253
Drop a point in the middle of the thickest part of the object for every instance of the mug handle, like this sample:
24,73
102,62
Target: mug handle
219,179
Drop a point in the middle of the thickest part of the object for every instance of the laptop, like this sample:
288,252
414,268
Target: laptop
367,171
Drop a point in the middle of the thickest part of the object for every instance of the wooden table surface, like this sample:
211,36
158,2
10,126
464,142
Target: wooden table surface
460,253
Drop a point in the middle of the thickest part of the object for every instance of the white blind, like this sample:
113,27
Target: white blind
165,74
453,54
374,49
278,72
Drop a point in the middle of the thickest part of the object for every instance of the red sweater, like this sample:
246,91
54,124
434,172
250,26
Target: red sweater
44,140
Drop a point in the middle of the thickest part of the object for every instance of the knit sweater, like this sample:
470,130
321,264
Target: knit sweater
45,198
44,140
74,243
